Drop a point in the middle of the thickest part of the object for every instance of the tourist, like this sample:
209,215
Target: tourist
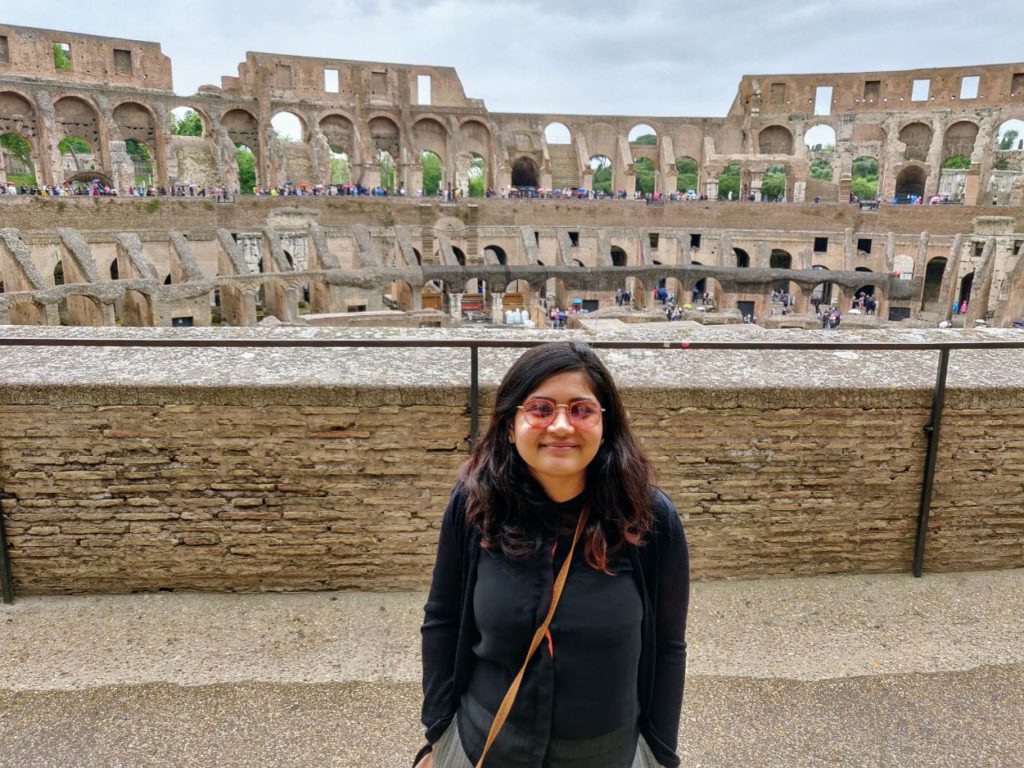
557,490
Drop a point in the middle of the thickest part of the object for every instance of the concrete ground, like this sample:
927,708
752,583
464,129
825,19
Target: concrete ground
825,671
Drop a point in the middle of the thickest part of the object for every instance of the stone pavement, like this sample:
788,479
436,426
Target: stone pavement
824,671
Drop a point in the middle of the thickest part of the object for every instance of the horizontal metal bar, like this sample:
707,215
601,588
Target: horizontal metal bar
682,344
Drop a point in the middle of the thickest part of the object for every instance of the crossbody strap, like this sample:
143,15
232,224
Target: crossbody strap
538,636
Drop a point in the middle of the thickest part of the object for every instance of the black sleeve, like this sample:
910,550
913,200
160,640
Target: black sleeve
442,614
673,599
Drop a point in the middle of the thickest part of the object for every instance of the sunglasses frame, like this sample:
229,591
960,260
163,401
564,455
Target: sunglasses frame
568,412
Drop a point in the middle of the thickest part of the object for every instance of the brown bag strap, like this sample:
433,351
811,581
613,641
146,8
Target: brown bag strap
538,636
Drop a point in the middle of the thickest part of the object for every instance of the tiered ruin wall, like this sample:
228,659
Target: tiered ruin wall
113,90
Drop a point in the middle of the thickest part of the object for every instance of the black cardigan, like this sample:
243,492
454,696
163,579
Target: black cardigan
661,567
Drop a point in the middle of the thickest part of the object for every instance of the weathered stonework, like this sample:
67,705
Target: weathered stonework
233,469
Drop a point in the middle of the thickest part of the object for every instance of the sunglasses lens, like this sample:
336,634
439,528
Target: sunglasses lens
584,414
539,413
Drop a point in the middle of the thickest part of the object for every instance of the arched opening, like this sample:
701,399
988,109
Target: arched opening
525,174
80,310
186,121
687,171
644,135
18,160
958,144
76,156
460,256
774,182
433,173
418,255
243,130
497,253
78,120
864,182
933,273
918,139
699,288
341,167
780,259
477,176
114,270
866,290
18,134
58,273
966,284
618,256
729,182
1010,135
775,140
288,127
386,168
518,295
742,258
644,170
601,181
168,281
910,184
557,133
821,293
820,138
142,162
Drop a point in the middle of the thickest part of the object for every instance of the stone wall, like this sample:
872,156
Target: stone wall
230,469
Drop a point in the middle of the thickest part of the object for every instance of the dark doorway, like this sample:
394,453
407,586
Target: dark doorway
525,173
910,183
746,308
965,287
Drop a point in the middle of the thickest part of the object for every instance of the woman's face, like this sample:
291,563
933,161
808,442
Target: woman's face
559,453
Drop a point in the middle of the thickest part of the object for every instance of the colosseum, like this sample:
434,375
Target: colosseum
905,186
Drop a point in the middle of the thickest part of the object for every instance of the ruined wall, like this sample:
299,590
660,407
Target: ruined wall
298,477
363,109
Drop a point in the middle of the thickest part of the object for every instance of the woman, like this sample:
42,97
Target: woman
557,464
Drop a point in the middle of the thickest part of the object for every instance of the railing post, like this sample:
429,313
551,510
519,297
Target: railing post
6,580
474,393
932,429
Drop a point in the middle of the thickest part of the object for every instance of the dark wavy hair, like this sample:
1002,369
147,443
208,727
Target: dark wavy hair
499,485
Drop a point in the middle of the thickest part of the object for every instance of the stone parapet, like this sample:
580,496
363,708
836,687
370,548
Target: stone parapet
328,468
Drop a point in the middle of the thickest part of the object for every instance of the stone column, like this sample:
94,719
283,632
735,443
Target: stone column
712,187
497,308
756,177
455,305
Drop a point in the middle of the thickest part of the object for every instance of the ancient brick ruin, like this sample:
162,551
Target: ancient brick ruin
173,261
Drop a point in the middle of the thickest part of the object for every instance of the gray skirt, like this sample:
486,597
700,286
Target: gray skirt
448,751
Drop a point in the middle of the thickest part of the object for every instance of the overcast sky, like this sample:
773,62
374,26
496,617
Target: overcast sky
658,57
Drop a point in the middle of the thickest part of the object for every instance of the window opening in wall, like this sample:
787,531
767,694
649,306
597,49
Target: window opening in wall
777,94
62,55
872,90
356,308
574,239
864,244
969,86
823,100
379,83
284,76
1017,85
1017,244
695,241
331,81
653,236
181,322
536,237
5,51
978,248
820,244
423,94
919,91
122,62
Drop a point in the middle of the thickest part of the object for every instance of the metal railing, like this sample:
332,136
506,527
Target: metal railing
932,428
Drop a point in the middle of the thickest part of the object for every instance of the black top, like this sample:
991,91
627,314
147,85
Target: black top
578,700
453,637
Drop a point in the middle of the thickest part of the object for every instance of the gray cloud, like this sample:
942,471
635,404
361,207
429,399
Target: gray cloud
661,57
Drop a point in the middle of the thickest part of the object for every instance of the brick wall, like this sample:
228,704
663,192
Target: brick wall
258,491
